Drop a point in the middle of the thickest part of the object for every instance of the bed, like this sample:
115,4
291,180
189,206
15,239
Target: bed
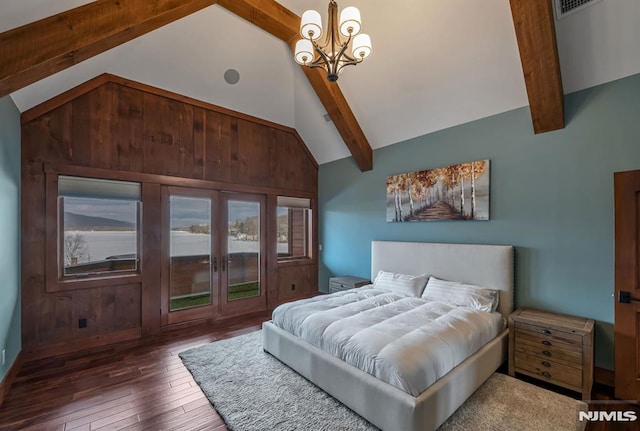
381,403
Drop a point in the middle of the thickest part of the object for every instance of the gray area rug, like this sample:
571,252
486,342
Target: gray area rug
253,391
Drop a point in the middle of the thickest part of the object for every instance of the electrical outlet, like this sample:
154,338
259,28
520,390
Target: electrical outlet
3,356
293,287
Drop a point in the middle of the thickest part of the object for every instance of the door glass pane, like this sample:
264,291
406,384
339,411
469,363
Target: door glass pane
243,249
190,252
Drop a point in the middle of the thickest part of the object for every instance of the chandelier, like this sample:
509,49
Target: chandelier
331,55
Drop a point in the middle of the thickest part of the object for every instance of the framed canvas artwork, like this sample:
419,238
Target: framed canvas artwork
456,192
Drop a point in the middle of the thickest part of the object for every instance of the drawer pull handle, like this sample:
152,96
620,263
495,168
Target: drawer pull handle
546,353
547,375
546,332
546,364
546,343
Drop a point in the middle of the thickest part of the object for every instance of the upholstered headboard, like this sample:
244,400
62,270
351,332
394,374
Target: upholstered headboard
486,265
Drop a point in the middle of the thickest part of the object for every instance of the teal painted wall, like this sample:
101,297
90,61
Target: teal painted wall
551,197
10,332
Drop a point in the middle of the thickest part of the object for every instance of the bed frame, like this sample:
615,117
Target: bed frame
382,404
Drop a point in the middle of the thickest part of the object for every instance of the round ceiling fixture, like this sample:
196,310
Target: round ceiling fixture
232,76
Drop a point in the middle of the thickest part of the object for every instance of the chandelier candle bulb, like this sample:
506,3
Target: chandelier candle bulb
361,46
304,51
311,25
343,44
350,22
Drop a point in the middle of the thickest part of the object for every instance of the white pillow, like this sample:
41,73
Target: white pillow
411,285
461,294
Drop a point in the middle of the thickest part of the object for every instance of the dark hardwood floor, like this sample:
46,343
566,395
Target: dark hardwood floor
142,385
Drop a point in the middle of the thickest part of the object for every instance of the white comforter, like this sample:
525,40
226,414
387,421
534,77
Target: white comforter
405,341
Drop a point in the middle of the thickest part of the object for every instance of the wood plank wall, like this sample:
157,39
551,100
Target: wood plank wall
117,126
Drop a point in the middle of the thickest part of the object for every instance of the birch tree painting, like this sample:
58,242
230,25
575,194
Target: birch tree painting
457,192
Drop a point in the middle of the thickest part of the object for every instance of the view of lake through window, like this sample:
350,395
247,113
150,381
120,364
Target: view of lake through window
102,233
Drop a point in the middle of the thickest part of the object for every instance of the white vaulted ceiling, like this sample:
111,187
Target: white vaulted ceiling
435,64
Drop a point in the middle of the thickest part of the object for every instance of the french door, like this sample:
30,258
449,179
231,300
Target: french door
213,254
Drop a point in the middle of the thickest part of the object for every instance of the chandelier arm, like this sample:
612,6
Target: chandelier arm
316,66
349,62
345,64
343,48
350,58
338,61
320,50
318,63
322,55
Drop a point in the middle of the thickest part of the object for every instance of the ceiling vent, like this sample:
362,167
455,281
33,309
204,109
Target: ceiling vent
567,7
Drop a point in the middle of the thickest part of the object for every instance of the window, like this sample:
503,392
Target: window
99,226
294,215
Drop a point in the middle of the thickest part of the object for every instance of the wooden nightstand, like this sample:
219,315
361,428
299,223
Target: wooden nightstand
552,347
337,284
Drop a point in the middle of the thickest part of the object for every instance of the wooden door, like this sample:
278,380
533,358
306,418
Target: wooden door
627,285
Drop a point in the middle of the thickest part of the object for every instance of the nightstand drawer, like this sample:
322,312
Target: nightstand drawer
550,370
338,287
536,340
556,354
554,334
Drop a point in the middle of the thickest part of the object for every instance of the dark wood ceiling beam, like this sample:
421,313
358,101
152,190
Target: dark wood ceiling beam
535,31
269,15
34,51
284,24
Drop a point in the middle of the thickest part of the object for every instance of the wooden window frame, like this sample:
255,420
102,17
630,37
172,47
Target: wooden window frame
56,281
311,239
